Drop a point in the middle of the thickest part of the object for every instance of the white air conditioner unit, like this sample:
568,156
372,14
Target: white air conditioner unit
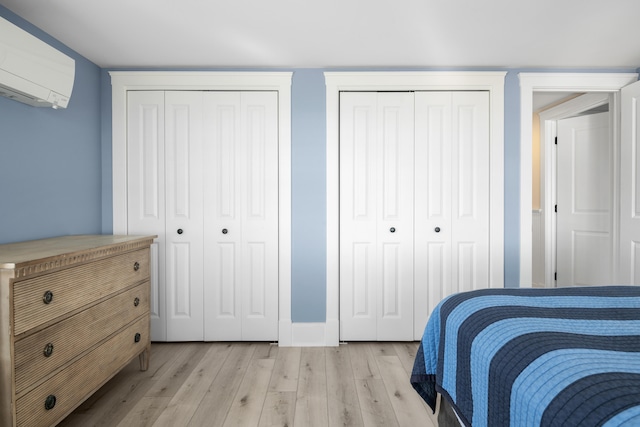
31,71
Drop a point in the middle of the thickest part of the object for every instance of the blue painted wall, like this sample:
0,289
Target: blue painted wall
56,178
308,196
50,170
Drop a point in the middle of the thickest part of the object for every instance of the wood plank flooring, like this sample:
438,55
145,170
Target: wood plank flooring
258,384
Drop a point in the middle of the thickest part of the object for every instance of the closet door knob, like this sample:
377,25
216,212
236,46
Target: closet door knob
225,231
392,229
437,229
180,231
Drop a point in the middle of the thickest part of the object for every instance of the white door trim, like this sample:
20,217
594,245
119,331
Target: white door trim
123,81
550,82
414,81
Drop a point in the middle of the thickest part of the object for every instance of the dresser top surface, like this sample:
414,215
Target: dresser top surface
14,255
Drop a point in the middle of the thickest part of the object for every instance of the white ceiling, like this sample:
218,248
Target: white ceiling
343,33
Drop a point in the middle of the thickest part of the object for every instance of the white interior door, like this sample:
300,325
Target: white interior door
184,218
451,199
420,160
200,163
630,186
164,144
376,216
146,191
584,187
241,211
433,274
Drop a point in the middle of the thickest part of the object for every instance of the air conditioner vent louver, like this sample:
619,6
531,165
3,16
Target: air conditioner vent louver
31,71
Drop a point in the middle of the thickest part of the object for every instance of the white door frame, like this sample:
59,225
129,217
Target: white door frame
123,81
551,82
493,82
548,166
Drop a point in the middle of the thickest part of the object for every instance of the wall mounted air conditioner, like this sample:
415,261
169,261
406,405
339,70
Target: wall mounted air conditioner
31,71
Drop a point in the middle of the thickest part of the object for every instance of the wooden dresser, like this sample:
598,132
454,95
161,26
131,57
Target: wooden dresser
74,311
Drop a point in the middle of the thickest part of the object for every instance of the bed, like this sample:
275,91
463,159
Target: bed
530,357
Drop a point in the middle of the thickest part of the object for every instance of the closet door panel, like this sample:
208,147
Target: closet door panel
358,215
394,263
222,210
184,220
224,302
241,216
259,185
146,190
470,190
432,204
376,216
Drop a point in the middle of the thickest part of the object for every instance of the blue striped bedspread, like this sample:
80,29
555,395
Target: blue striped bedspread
535,357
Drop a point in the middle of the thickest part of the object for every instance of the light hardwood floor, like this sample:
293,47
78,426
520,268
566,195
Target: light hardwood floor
258,384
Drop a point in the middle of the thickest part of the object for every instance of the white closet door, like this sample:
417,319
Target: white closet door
184,218
451,198
241,216
259,185
470,171
376,216
432,204
146,190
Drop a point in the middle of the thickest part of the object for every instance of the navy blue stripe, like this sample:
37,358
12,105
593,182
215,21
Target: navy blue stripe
511,359
479,320
453,301
593,400
599,291
423,383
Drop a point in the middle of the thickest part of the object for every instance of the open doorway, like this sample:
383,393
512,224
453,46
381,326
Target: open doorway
531,83
574,203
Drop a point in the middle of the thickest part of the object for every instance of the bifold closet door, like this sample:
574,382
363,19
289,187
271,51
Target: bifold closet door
146,192
376,216
203,176
164,144
414,207
184,227
452,197
241,216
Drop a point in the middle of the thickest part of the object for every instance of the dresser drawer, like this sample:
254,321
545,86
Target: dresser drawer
71,337
69,387
70,289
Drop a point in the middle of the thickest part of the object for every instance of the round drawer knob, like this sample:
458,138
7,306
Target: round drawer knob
47,297
136,301
48,350
136,266
49,402
137,337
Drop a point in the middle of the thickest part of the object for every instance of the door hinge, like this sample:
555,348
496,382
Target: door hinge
556,209
556,140
555,276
